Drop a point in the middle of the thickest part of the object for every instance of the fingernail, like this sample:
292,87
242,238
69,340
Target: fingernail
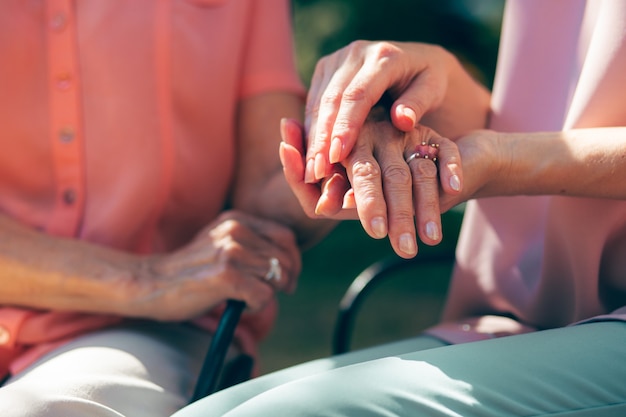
409,114
407,244
281,150
432,231
321,201
455,183
318,207
309,172
348,200
336,146
320,166
379,227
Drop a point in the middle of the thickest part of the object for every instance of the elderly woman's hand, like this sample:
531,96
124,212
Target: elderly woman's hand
389,181
230,259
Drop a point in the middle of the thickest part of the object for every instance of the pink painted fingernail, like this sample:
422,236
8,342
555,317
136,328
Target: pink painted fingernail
336,146
409,114
320,166
309,172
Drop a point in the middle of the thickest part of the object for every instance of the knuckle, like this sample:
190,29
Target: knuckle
331,97
365,171
345,124
230,251
424,170
366,180
384,51
355,47
356,92
402,215
397,174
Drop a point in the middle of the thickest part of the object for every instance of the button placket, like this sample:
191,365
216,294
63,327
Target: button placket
65,115
58,22
66,134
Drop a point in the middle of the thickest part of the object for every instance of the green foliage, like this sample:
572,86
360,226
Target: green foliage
469,28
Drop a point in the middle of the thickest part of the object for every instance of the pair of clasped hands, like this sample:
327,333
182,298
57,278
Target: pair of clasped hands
352,158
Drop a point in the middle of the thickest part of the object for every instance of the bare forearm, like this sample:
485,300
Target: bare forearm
277,202
261,188
579,162
45,272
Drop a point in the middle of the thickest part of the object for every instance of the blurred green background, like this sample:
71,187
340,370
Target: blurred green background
407,303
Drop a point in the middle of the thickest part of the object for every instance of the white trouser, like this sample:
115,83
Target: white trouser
141,369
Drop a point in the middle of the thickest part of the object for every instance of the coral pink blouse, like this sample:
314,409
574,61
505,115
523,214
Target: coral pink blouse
118,120
528,263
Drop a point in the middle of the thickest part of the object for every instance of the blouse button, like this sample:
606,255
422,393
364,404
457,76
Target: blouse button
66,134
58,22
64,81
69,196
5,336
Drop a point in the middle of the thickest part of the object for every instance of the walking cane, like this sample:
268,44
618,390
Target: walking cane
214,360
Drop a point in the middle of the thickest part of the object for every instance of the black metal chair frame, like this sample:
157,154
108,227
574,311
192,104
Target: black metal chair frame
215,375
364,284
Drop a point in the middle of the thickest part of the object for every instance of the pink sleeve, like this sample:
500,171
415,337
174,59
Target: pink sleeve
270,63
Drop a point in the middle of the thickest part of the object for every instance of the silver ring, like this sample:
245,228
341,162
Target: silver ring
275,271
425,150
412,157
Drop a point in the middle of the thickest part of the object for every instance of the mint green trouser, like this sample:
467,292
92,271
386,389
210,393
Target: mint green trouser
573,371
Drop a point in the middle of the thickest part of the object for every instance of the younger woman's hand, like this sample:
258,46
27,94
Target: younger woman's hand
348,83
383,182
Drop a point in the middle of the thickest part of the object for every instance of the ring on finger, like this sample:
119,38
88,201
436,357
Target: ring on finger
425,150
275,272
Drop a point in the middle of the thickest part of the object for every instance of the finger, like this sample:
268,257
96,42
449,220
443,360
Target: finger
366,87
324,98
256,233
319,82
349,203
291,158
277,270
365,176
273,254
450,168
333,190
423,94
426,200
292,133
398,193
241,260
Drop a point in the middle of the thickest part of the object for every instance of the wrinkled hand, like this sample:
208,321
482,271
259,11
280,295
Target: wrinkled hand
376,185
229,259
348,83
486,160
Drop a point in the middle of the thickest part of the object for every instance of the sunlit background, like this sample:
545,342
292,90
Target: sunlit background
405,304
